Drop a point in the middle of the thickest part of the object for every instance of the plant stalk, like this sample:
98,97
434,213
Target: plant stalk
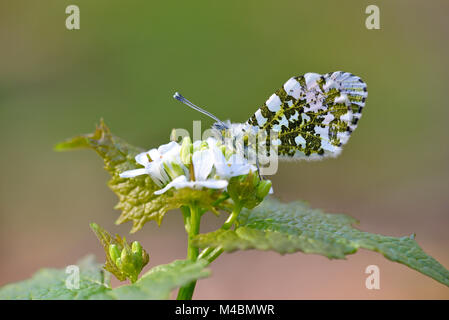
210,253
193,228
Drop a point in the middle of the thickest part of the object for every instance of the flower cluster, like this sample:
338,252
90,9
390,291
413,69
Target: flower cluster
124,260
202,164
130,260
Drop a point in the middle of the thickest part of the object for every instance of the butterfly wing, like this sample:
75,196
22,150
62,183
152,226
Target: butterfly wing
312,115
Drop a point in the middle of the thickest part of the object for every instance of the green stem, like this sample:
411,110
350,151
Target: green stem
193,228
195,218
210,253
192,224
213,254
232,217
186,216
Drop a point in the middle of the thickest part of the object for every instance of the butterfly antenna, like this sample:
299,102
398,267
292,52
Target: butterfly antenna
179,97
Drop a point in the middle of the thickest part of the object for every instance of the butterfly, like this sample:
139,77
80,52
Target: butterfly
310,117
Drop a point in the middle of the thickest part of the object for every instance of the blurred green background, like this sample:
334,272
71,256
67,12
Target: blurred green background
125,63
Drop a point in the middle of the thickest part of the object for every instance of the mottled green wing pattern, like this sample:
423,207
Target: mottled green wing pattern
312,116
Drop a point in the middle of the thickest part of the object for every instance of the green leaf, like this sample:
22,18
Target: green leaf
161,280
49,284
137,200
288,228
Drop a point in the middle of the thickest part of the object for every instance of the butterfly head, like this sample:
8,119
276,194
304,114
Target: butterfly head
228,129
240,137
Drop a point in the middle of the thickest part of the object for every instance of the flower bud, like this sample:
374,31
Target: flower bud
248,190
228,152
129,264
114,252
223,149
136,248
125,255
124,260
186,151
263,188
118,263
204,145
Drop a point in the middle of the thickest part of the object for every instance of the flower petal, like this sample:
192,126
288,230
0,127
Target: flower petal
142,158
196,144
236,165
178,183
133,173
154,155
210,184
157,172
181,182
211,142
203,162
219,158
165,148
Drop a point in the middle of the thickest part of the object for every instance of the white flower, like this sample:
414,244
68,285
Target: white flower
236,165
210,167
182,182
165,154
203,162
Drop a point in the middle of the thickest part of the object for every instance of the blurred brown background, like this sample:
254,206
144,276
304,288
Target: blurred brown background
124,65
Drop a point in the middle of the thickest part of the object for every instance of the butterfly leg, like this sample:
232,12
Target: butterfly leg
261,177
